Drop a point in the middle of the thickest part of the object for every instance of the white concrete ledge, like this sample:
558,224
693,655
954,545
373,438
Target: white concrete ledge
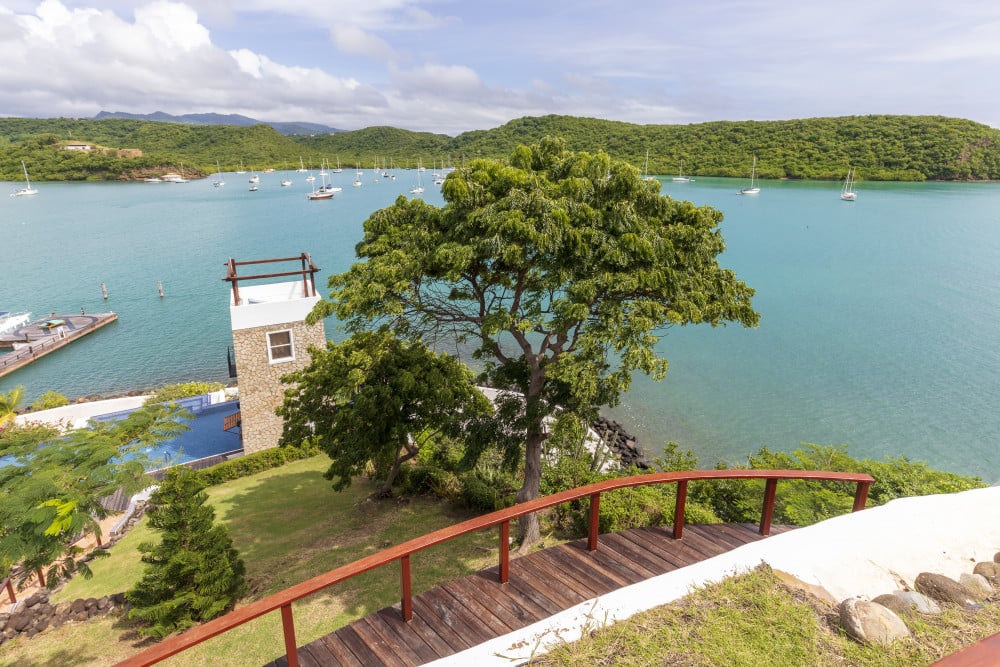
868,553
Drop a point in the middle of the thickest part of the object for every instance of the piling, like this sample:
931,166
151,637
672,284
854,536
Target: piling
159,288
104,291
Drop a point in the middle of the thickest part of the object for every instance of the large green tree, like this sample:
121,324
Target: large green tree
53,483
375,398
560,268
194,574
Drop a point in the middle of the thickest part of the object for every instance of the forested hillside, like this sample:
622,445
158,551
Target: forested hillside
910,148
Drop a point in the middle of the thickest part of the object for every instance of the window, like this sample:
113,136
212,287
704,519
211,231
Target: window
279,346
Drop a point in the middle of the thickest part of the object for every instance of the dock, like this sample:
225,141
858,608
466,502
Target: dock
34,341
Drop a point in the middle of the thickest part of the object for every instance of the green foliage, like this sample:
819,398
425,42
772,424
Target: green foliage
805,502
249,464
561,267
194,574
375,400
54,484
48,400
174,392
882,147
10,403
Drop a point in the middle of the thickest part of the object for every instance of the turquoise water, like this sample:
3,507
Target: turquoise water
880,319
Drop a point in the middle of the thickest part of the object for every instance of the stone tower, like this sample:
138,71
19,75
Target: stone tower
270,339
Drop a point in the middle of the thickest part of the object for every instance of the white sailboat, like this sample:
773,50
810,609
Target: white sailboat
357,176
27,189
219,180
418,189
645,169
302,167
241,170
324,191
338,169
848,193
254,177
680,177
753,188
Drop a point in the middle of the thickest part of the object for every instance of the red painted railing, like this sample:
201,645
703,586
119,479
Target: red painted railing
283,601
9,585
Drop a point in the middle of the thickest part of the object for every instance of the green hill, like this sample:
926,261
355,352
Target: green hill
908,148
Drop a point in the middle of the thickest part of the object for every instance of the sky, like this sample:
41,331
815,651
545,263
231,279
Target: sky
449,66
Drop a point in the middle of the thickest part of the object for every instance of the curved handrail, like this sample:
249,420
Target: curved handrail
283,600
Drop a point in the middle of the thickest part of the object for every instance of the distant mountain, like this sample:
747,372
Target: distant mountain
221,119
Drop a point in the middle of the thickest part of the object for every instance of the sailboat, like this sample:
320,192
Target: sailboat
27,189
753,188
254,177
848,193
219,180
419,187
302,167
338,169
241,170
357,176
324,192
680,177
645,169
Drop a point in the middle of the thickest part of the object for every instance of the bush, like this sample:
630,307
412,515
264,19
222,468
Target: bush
250,464
48,400
174,392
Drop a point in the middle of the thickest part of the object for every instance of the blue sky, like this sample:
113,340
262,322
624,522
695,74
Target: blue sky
449,66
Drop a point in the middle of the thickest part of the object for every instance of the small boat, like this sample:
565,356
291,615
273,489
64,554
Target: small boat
310,178
645,169
254,176
12,321
253,187
219,180
241,170
152,179
27,189
324,192
357,177
302,167
285,183
418,189
338,169
753,188
848,193
680,177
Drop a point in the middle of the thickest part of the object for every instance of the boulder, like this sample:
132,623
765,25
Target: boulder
103,602
915,601
989,570
18,621
944,589
870,623
37,598
977,583
896,605
996,557
77,605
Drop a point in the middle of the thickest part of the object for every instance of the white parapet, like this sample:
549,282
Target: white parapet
274,303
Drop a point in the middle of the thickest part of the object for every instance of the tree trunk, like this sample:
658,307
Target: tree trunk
527,526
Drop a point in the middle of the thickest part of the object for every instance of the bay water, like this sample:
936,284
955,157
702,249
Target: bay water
880,319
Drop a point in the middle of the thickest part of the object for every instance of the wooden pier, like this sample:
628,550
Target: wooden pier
33,341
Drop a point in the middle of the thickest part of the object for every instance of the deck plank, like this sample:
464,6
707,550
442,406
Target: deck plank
458,615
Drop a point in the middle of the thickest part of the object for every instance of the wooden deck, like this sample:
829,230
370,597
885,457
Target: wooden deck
34,341
469,611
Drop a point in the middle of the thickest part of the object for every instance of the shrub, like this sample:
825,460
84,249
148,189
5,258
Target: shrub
250,464
173,392
48,400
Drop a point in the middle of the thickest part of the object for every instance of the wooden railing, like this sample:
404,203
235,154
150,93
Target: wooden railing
9,585
283,601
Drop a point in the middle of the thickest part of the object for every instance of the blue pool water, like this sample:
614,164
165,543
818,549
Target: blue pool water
205,437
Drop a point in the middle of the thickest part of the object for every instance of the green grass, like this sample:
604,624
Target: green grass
753,620
288,525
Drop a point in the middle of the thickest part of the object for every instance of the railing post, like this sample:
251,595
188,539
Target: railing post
682,494
288,627
10,590
768,510
595,521
407,602
504,552
861,496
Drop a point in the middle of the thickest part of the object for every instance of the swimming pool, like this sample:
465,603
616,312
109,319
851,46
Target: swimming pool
206,436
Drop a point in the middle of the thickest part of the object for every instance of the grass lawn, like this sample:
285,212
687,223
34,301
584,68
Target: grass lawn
288,525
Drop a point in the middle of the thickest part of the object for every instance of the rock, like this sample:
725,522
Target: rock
103,602
38,598
870,623
118,598
918,602
944,589
80,616
976,582
90,603
895,604
77,605
989,570
19,621
996,557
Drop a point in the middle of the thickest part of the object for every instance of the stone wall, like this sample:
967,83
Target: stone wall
261,390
